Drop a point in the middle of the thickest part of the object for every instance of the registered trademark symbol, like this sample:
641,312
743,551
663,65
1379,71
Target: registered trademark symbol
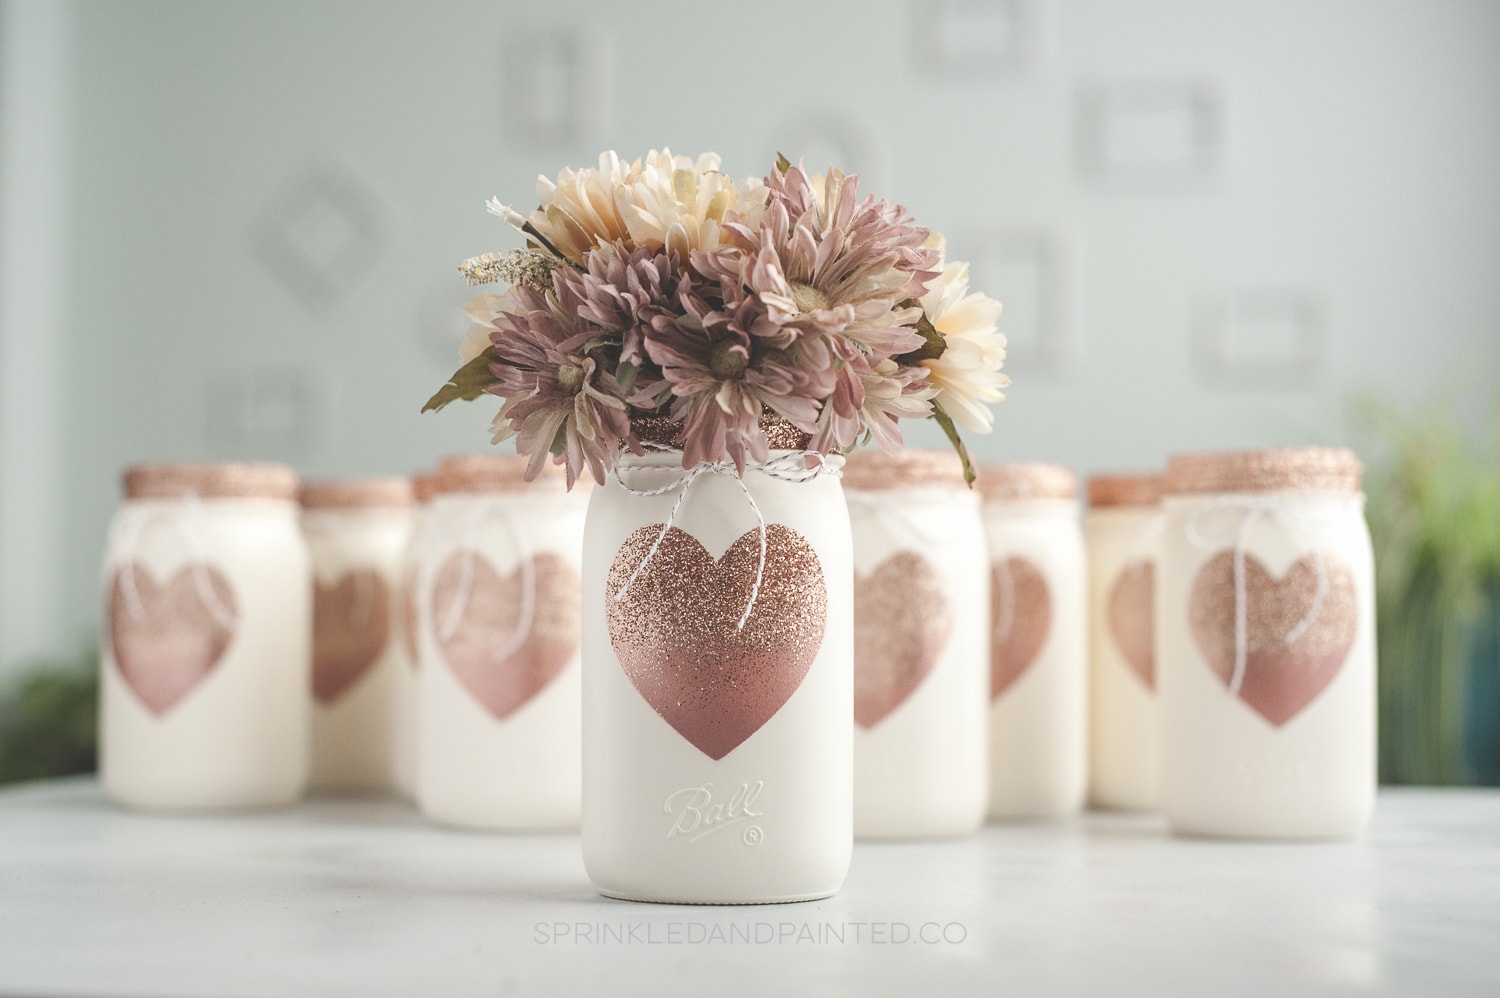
752,836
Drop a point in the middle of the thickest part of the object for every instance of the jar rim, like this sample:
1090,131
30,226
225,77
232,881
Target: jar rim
356,493
1027,480
1287,469
203,480
873,470
499,473
1143,488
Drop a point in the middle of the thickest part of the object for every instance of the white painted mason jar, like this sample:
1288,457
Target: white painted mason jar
1265,625
1122,527
921,646
717,715
357,532
498,623
1038,641
406,680
207,647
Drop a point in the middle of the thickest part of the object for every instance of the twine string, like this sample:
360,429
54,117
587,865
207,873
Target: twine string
484,512
894,515
1005,615
186,515
796,466
1285,509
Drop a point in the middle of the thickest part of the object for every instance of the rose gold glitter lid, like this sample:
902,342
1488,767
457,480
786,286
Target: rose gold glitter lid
1139,489
211,481
498,473
872,470
350,493
668,432
1005,482
1319,469
423,485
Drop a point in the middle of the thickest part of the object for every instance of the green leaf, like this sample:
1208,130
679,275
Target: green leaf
933,343
595,342
946,422
625,376
782,163
467,383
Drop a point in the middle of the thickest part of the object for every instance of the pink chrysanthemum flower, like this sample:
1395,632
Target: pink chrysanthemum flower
624,294
720,379
559,398
826,262
872,398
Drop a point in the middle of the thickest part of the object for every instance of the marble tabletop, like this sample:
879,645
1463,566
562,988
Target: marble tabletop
362,897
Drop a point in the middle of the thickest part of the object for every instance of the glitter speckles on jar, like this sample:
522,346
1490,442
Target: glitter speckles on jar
677,637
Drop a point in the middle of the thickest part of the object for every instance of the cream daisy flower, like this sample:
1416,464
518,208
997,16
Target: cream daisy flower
658,199
681,205
483,311
967,374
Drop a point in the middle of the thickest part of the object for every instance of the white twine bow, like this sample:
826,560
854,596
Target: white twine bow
796,466
449,625
185,513
363,609
1005,583
1284,507
880,508
1005,589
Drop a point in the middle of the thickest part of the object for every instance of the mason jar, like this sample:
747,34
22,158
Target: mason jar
718,665
357,531
207,643
1038,640
1122,527
921,646
405,680
1265,627
498,644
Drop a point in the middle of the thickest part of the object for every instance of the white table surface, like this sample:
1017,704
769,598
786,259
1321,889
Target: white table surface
361,897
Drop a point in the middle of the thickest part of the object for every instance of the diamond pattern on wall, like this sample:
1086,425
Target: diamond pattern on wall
272,412
322,233
559,83
1035,274
1265,339
978,37
1151,134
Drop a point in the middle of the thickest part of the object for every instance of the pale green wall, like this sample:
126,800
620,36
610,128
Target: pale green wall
1359,170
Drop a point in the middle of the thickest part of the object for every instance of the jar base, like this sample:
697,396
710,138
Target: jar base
1207,834
641,897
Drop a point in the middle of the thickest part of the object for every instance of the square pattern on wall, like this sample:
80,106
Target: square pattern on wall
271,412
1152,134
1261,338
1035,274
557,85
978,37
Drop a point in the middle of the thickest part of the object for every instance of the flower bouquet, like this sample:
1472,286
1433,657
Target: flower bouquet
669,329
663,288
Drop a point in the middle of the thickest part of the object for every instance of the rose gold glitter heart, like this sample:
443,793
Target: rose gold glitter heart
168,640
488,624
677,637
1131,624
351,623
1014,648
901,624
1280,679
